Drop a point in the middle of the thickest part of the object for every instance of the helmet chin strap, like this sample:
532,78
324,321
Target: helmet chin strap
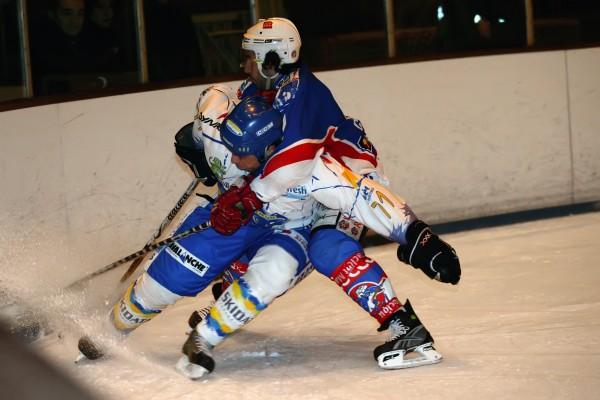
268,79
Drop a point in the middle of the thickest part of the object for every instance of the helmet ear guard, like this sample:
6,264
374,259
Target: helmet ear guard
272,60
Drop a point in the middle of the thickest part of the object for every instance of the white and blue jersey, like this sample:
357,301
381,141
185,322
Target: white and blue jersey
189,265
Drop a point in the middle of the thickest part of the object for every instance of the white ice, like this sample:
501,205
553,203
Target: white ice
524,323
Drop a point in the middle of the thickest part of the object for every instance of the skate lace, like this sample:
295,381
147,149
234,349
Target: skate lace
203,312
397,330
202,344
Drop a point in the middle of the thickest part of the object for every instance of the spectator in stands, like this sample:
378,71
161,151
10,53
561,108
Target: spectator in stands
100,30
66,54
102,13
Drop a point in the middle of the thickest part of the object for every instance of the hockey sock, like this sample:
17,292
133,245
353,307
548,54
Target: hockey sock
128,313
235,308
233,272
367,284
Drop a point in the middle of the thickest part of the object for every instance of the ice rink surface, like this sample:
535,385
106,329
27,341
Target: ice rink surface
524,323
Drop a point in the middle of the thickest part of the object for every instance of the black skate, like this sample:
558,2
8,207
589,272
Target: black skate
410,344
197,316
88,350
197,360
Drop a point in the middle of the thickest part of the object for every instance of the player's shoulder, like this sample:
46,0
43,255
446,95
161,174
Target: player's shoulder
288,89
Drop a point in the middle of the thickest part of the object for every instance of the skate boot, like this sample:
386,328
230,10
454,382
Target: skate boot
197,360
197,316
410,344
88,350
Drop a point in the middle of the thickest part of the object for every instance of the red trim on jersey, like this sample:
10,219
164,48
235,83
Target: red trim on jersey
339,148
300,152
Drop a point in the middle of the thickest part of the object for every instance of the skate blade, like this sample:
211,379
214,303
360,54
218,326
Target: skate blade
425,354
81,358
192,371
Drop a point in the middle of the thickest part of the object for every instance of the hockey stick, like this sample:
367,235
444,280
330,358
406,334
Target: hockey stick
182,200
147,249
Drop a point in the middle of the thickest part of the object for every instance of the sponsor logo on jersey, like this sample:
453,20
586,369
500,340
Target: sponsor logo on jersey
217,167
298,192
187,259
233,128
350,227
264,129
265,219
207,120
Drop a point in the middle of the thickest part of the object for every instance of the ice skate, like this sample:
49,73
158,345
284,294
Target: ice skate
88,350
410,344
197,360
197,316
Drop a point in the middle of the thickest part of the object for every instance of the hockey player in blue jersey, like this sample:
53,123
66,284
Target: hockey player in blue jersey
271,50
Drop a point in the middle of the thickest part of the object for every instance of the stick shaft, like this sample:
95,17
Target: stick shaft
147,249
139,255
180,203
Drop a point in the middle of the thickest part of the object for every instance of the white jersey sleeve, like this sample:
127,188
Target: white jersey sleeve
212,108
360,198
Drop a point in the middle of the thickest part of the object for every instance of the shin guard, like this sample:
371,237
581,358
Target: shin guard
128,314
367,284
236,307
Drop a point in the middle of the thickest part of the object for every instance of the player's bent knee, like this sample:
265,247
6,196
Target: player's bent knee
142,301
270,273
329,247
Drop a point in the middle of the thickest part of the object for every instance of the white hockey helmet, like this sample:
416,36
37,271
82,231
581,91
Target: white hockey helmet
273,34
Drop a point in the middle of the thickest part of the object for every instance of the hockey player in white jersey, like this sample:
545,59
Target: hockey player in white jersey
274,237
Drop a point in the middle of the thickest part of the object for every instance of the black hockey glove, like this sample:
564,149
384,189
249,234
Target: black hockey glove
192,155
425,250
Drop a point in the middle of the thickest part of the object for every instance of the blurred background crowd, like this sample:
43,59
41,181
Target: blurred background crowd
57,47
